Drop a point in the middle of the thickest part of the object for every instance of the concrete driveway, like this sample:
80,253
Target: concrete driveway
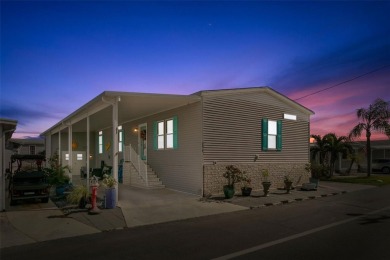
145,207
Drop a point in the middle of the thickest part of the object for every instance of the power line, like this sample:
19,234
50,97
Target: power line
338,84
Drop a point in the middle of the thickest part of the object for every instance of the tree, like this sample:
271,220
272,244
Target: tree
319,148
329,147
336,146
374,118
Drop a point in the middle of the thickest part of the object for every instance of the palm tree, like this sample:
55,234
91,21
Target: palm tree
374,118
319,148
336,146
329,147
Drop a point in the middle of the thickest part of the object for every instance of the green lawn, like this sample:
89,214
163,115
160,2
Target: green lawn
377,180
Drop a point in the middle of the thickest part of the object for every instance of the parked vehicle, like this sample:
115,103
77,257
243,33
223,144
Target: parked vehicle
28,182
382,165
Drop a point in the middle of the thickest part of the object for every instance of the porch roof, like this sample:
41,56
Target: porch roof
131,106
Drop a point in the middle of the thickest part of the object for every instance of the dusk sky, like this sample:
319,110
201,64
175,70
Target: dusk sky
58,55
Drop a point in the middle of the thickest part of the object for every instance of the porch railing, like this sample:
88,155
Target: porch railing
139,164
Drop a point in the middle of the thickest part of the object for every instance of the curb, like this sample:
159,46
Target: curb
282,202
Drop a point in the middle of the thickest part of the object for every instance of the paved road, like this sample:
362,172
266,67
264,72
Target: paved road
355,225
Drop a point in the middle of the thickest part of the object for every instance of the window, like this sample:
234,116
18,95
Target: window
32,149
271,135
165,134
170,133
120,137
161,135
79,157
100,142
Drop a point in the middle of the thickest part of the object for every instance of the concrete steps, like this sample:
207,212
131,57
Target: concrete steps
137,181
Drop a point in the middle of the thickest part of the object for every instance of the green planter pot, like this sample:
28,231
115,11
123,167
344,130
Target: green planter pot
228,191
266,185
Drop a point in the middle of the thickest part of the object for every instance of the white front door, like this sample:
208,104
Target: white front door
78,161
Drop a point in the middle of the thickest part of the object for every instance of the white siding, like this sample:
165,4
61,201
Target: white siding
182,168
232,129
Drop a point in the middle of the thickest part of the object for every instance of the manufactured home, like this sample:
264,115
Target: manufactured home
185,142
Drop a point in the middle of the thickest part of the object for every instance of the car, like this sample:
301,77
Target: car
382,165
29,183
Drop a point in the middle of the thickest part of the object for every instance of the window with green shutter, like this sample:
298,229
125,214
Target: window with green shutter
271,135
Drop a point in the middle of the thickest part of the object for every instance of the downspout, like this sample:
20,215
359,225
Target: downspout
3,170
115,149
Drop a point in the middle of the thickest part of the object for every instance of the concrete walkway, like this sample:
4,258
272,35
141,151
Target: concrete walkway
35,222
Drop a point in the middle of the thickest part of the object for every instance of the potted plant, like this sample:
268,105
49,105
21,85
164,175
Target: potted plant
266,184
287,183
109,182
78,195
57,176
233,175
247,189
315,171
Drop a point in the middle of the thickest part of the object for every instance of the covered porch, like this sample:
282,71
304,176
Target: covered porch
94,135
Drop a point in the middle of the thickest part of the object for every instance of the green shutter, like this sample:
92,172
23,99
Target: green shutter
279,136
264,134
155,137
175,140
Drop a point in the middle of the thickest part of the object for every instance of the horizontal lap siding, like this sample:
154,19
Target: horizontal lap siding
179,169
232,130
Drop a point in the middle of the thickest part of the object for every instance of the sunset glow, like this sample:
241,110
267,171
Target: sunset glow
56,56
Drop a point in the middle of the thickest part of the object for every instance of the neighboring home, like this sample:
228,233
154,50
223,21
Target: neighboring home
7,128
380,149
185,142
31,146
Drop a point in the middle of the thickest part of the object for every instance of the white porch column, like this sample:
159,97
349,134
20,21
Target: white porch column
115,149
88,151
70,150
48,147
59,148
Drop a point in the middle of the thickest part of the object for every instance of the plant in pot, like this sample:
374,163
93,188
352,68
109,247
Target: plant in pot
315,171
110,199
57,177
247,189
233,176
78,195
287,183
266,183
